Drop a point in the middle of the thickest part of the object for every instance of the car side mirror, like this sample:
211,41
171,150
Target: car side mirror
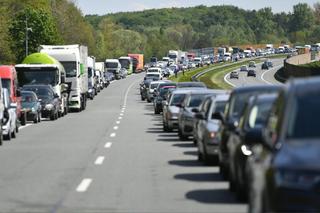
218,116
195,110
200,116
253,136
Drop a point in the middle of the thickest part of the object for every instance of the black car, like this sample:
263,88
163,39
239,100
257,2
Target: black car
255,116
50,102
144,86
251,73
266,65
234,111
30,105
284,168
160,97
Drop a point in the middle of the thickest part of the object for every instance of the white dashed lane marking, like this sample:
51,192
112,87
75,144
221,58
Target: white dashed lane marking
115,127
112,135
108,145
117,122
84,185
99,160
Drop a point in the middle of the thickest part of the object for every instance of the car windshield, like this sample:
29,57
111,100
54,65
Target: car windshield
177,99
220,106
90,72
152,76
27,98
38,77
303,120
237,104
125,63
70,67
154,85
111,65
164,91
6,83
42,93
195,100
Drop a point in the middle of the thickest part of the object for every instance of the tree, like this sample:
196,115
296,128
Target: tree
317,12
43,28
302,18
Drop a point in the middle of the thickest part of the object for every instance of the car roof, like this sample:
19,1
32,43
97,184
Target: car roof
303,86
191,84
37,85
256,88
221,97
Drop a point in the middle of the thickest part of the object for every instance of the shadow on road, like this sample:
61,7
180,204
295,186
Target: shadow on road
184,145
212,196
199,177
186,163
194,153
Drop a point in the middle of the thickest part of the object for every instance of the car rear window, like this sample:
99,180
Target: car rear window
304,121
177,99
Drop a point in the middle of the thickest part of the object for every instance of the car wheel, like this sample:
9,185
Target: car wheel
7,137
156,111
1,136
13,134
23,119
181,136
35,119
52,116
39,117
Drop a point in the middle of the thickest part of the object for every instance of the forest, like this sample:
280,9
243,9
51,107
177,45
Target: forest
150,32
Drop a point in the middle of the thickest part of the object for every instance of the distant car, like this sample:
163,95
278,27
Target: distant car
234,74
252,64
9,120
244,68
123,73
31,106
266,65
161,97
50,102
191,84
251,73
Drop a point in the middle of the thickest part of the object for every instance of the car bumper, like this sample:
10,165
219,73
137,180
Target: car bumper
31,116
173,123
46,113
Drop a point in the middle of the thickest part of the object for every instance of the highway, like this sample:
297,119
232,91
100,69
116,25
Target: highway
113,157
263,76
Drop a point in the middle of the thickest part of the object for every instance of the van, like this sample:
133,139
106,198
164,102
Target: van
114,66
9,80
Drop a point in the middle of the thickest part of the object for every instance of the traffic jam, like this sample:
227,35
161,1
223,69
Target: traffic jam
263,138
51,83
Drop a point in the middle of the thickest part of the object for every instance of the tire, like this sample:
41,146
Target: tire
39,117
36,119
13,134
181,136
200,157
52,116
23,119
156,111
7,137
1,136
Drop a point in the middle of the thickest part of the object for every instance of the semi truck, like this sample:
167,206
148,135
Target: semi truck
40,68
74,60
138,62
127,63
177,55
92,80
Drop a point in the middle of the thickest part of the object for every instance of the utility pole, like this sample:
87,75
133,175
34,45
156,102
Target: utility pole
27,36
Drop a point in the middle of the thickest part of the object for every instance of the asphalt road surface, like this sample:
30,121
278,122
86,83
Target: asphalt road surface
113,157
263,76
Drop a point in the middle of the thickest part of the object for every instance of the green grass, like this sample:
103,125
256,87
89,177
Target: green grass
313,65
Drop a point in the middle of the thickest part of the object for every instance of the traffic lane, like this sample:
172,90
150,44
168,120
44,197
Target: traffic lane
44,163
148,170
262,76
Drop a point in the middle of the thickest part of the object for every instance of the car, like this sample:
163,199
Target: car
10,119
144,87
50,102
266,65
154,75
171,110
207,131
123,73
251,73
189,107
232,115
244,68
161,97
191,85
150,91
283,169
252,64
234,74
31,106
255,115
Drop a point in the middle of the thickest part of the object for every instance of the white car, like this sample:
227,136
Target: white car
9,121
154,70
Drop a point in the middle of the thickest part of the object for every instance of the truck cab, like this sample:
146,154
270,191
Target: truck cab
114,66
9,80
126,62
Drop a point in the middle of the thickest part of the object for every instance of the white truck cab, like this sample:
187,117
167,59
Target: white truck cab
114,66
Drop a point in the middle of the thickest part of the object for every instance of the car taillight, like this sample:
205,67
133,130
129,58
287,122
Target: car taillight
212,134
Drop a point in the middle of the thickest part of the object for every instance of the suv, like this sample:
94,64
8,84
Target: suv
284,166
244,68
234,74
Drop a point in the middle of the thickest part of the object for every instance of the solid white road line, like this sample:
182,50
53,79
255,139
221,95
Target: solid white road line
99,160
262,76
112,135
115,127
84,185
108,145
227,81
27,125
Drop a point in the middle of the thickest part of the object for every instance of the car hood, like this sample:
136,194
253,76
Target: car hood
174,109
302,154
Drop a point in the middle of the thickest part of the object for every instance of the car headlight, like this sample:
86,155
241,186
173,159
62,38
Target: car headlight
49,106
296,179
90,90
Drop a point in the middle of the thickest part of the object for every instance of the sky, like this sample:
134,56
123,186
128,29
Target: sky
102,7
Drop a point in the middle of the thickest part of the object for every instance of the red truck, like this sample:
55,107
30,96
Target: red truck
8,75
137,62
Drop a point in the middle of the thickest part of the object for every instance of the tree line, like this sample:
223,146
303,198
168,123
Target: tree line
150,32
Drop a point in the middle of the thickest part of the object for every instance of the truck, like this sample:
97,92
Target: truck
177,55
127,63
40,68
100,72
138,62
92,80
222,51
114,66
74,60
